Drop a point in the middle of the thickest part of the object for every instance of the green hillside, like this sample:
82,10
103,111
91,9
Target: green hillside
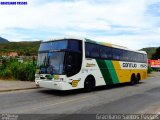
150,51
22,48
31,48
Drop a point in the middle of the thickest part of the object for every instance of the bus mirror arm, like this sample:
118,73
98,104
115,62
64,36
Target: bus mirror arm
68,69
69,66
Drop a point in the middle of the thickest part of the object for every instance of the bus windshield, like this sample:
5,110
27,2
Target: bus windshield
51,55
51,62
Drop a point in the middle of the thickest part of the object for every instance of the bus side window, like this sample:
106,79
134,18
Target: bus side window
144,58
114,54
117,54
134,56
141,57
75,45
87,49
95,51
91,50
103,52
129,56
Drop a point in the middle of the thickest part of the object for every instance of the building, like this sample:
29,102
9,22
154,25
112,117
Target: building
9,54
12,54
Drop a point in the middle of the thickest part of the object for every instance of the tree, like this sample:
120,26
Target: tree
156,55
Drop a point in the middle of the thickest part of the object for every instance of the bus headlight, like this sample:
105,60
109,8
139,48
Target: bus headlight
56,77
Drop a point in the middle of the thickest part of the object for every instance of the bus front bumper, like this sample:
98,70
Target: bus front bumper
56,85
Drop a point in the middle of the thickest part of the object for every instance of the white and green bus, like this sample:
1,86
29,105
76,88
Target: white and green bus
73,63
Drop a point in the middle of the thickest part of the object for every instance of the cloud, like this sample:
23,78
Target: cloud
134,24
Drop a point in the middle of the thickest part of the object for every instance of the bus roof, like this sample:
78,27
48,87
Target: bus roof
92,41
61,38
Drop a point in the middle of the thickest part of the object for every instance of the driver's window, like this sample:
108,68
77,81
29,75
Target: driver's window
74,63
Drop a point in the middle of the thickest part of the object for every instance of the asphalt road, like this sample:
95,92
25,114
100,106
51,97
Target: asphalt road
118,99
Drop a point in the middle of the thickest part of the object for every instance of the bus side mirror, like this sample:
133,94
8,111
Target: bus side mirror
68,70
69,62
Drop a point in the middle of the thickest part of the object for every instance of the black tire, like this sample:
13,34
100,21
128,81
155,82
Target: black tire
138,78
133,80
89,84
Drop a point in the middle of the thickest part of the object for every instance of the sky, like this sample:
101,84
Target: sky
131,23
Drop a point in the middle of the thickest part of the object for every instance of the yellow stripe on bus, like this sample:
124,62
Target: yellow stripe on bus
124,75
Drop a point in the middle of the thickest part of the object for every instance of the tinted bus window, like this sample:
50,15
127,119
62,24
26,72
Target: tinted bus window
92,50
145,58
140,57
54,45
125,55
105,52
75,45
117,54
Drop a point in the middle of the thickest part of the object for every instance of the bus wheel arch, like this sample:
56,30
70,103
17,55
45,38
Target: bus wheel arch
89,83
133,79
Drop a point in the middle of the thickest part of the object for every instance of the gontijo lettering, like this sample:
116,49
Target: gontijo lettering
129,65
13,3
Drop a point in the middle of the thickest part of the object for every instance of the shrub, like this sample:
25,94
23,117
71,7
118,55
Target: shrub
149,69
5,73
20,71
26,72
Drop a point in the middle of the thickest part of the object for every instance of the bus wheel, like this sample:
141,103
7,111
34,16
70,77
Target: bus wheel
138,77
133,80
89,84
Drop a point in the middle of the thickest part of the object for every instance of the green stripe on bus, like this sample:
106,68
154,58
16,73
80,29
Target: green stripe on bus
112,71
105,72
